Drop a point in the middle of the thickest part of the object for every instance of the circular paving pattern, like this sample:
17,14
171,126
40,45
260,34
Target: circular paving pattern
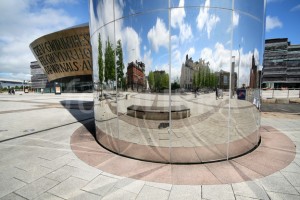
275,152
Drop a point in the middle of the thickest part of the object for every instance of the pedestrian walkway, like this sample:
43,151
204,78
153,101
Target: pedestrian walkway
37,160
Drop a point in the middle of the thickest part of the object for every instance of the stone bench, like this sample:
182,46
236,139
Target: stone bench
157,112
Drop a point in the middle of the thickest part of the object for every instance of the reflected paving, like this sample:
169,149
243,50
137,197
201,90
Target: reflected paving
202,137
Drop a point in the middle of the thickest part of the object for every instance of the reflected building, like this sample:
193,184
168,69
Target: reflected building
65,59
189,70
136,76
223,80
254,78
281,66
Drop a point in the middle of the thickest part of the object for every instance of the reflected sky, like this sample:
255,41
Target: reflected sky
197,28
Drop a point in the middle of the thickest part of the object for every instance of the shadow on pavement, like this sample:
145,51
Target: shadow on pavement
82,111
284,108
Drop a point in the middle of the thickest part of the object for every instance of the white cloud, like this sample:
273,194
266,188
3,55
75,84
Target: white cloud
206,20
177,21
20,25
190,52
296,8
56,2
132,43
219,58
178,15
147,59
272,23
235,21
158,35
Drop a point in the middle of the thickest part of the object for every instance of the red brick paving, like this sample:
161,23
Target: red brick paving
275,153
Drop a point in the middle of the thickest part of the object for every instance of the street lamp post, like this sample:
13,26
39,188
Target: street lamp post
238,75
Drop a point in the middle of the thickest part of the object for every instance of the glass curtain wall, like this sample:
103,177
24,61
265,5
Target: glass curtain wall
177,81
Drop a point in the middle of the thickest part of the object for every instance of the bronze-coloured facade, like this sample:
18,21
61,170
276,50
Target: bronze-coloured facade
65,53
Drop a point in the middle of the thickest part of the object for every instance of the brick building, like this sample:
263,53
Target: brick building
136,76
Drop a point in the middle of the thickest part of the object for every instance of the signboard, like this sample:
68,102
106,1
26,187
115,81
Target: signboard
64,53
241,94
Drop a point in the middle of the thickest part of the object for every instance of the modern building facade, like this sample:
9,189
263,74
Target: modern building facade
281,68
39,79
65,58
8,83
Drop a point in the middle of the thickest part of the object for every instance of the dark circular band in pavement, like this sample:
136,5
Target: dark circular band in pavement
275,152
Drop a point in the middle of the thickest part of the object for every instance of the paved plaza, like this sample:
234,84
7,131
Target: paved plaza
37,160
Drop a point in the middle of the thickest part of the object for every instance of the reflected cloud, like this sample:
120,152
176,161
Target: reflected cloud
219,59
235,21
158,35
205,20
177,21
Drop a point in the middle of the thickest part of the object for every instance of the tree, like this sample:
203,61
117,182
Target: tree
109,72
195,81
151,80
100,61
120,64
175,85
164,81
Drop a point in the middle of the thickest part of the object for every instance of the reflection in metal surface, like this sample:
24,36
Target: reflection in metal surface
151,58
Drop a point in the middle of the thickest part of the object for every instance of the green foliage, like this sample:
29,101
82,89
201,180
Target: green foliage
164,81
175,86
204,78
120,64
109,56
100,59
151,80
158,80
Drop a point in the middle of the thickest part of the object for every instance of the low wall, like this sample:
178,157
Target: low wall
158,113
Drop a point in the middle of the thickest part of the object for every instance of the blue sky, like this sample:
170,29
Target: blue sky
22,21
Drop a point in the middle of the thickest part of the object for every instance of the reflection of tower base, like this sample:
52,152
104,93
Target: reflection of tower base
179,155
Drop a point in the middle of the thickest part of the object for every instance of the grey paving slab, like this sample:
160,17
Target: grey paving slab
58,162
33,174
82,195
278,184
48,196
217,192
182,192
8,185
82,165
281,196
163,186
243,198
154,193
117,193
298,189
66,171
293,178
101,185
36,188
12,196
249,189
293,167
68,188
130,185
